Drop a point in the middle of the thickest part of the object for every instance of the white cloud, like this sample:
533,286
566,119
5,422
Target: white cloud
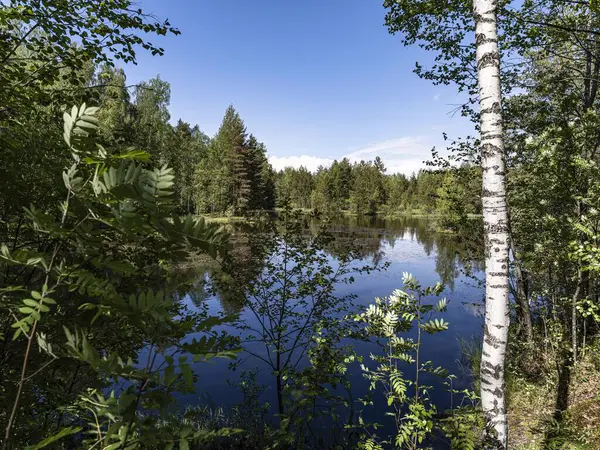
310,162
404,155
436,97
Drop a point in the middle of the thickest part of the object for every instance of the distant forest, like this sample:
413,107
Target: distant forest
229,174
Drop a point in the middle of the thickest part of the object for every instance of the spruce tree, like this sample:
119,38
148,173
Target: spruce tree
255,159
268,186
223,177
260,176
241,187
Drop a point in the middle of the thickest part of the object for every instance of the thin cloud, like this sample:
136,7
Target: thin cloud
311,163
403,155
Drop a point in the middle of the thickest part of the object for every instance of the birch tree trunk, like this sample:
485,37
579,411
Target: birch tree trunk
495,218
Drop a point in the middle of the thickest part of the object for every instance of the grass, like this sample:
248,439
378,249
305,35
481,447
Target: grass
532,380
417,213
304,210
231,219
531,407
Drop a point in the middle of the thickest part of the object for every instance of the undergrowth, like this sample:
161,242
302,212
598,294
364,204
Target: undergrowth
553,403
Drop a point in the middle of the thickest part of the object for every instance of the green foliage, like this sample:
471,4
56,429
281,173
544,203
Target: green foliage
457,197
407,399
295,186
464,427
93,332
365,189
86,306
46,43
114,212
151,128
549,80
297,316
56,437
243,426
368,187
586,249
235,175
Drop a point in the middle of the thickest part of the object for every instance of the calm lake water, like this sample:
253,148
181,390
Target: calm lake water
409,245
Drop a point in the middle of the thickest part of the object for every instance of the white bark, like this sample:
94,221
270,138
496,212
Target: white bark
495,218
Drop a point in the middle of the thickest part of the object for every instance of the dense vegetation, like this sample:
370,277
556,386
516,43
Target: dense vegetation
366,188
101,215
229,174
549,69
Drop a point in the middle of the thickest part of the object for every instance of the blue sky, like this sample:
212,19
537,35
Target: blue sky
313,79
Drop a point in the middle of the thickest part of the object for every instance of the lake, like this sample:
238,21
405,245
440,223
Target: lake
408,245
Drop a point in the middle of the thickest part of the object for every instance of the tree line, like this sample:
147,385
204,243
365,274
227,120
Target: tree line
364,188
229,173
226,174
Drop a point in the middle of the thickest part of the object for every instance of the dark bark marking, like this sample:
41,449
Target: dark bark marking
494,109
489,59
481,38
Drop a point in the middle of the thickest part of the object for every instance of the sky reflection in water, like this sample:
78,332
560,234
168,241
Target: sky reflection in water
409,246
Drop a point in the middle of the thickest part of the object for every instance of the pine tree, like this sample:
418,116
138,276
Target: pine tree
379,165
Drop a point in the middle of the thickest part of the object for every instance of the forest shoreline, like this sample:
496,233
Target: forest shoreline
381,214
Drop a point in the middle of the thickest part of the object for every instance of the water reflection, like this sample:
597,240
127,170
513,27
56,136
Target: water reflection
453,252
407,244
378,240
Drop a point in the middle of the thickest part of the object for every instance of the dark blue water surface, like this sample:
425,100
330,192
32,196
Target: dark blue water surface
409,245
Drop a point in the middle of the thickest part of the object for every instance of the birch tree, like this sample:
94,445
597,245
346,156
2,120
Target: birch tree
495,220
474,67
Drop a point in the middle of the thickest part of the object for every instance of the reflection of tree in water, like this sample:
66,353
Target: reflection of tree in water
244,262
454,253
195,270
251,247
